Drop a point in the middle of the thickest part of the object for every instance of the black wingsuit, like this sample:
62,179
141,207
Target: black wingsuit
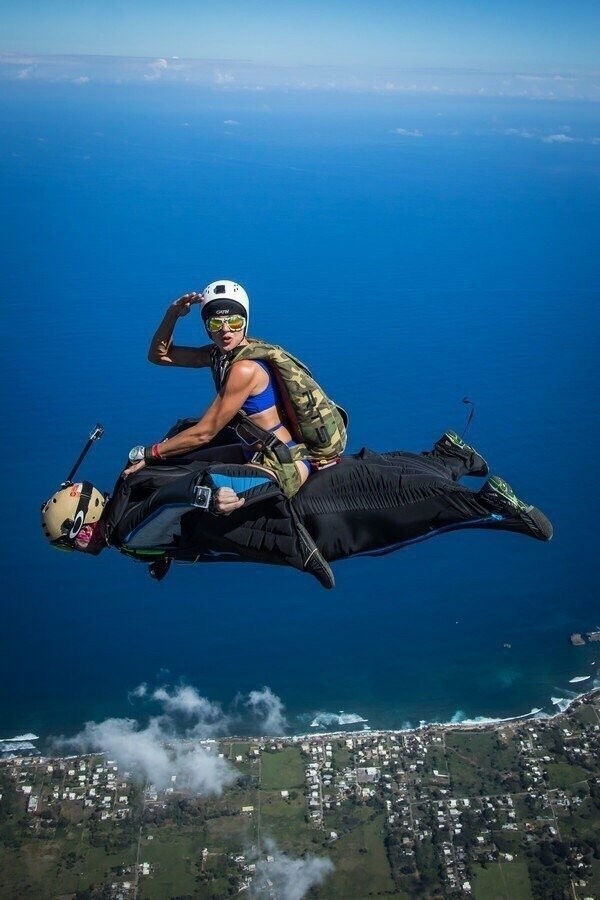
369,503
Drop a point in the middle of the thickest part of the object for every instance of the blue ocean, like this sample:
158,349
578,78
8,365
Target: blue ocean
414,252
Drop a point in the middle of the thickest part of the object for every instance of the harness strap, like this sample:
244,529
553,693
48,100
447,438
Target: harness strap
251,433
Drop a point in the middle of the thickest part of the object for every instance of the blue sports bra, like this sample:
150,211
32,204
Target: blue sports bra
266,399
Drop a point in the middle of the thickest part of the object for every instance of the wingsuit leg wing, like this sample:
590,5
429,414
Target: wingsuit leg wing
373,504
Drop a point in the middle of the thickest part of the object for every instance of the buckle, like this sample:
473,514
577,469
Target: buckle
316,465
202,497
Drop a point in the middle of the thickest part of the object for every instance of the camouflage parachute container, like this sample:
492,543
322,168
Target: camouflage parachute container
315,422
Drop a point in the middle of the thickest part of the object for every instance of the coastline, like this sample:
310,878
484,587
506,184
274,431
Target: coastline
465,725
476,724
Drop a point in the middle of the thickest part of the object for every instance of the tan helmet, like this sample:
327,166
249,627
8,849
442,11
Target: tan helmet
68,510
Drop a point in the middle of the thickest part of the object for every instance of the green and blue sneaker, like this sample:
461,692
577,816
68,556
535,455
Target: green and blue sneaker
499,497
450,444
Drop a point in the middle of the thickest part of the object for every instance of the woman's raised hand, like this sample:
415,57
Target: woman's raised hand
184,303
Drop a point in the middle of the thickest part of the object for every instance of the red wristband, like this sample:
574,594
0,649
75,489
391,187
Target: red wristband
156,452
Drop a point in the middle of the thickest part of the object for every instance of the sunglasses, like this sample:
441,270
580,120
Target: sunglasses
218,323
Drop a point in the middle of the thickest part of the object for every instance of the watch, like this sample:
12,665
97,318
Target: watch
136,454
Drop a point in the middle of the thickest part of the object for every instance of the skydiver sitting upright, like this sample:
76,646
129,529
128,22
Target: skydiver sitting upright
287,423
368,504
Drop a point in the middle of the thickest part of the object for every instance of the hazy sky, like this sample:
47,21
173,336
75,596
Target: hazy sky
512,34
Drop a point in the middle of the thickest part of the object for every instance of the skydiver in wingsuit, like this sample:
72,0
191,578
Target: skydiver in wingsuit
235,485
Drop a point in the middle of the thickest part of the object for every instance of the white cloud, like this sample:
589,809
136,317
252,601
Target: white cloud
185,700
405,132
155,754
164,747
268,710
83,79
23,74
531,78
223,77
139,692
156,69
520,132
558,139
288,878
230,122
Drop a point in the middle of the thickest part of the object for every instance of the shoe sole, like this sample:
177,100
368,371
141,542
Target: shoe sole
456,441
538,525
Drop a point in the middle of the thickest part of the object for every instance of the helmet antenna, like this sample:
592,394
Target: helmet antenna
95,435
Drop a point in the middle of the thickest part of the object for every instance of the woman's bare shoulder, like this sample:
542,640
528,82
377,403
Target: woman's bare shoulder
244,370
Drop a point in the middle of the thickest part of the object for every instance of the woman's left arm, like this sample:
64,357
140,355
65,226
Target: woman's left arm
226,404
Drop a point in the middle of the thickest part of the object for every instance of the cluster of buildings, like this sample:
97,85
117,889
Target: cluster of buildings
320,775
580,747
92,782
408,774
391,767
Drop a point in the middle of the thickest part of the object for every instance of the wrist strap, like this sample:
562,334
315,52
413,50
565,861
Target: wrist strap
152,454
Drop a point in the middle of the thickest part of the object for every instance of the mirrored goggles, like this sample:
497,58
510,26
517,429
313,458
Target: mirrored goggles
218,323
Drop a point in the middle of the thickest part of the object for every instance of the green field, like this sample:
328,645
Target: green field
436,759
593,885
175,855
342,757
583,822
361,866
248,765
51,868
479,762
283,770
284,820
502,881
229,833
566,776
586,715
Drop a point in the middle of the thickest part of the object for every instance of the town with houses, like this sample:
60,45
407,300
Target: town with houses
509,810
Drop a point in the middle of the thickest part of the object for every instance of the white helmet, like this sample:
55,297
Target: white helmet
68,510
224,298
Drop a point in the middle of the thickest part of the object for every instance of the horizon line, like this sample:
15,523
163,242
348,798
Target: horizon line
230,75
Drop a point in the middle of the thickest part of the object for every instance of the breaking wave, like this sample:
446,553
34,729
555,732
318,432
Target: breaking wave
459,718
18,744
325,719
563,703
